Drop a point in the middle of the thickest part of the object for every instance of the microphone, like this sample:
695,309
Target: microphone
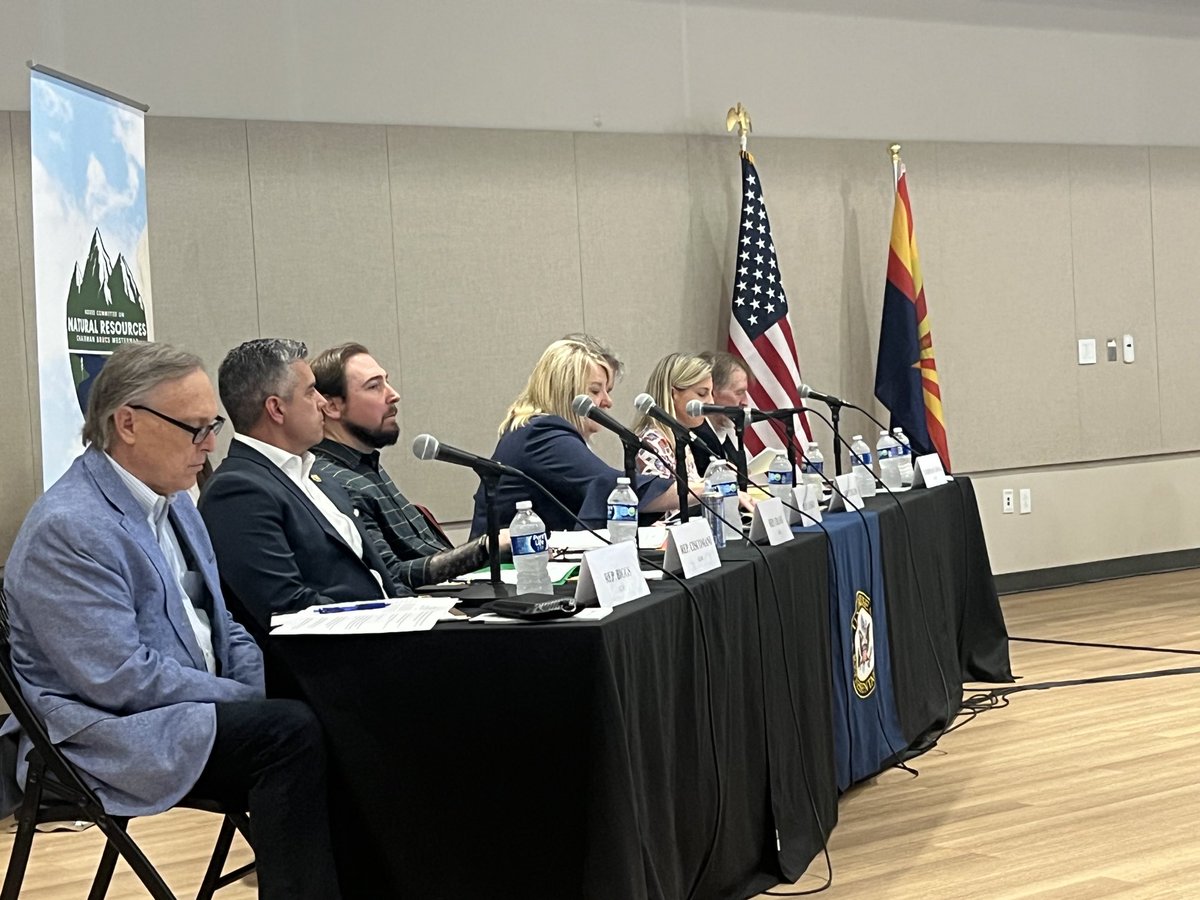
584,407
827,399
696,408
645,404
426,446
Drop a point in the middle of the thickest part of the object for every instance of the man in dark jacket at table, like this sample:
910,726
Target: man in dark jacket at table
362,417
286,539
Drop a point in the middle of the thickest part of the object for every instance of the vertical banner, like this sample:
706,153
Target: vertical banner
90,249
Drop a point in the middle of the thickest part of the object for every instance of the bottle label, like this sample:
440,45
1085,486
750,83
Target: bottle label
523,544
622,512
779,478
725,488
865,458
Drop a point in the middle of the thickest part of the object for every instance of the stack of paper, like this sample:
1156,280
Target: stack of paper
368,617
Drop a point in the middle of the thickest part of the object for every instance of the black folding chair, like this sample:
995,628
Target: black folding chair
54,792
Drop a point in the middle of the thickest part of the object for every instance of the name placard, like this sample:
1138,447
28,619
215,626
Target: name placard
770,521
690,547
808,498
612,575
928,471
849,497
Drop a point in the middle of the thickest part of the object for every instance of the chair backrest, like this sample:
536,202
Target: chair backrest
59,766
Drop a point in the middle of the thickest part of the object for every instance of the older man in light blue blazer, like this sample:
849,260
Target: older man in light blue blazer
121,641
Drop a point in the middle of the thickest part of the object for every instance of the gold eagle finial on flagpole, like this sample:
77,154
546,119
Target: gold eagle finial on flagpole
894,150
737,117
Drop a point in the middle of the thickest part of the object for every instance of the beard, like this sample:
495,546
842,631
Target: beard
373,437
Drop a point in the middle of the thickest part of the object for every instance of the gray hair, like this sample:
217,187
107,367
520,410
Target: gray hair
132,372
252,372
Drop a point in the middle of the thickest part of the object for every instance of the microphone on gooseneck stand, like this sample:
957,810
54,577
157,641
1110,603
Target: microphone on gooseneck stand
584,407
740,416
426,447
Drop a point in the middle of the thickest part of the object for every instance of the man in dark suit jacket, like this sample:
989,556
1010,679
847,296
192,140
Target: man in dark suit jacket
731,387
285,538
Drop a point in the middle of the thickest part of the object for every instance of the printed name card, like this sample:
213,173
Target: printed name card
690,547
846,496
612,575
770,521
928,471
808,498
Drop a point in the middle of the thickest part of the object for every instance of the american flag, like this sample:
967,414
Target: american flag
759,331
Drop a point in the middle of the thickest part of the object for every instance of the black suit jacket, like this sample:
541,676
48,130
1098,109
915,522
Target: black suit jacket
275,550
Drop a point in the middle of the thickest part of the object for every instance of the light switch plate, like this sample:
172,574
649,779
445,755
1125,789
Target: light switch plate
1127,347
1087,351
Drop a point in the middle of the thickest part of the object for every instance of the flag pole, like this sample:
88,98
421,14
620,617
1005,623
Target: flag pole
894,150
739,118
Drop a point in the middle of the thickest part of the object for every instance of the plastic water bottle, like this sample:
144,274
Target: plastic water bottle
622,513
721,477
889,461
860,465
780,477
905,457
813,466
530,557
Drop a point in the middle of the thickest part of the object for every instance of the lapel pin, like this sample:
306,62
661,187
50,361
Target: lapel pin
315,477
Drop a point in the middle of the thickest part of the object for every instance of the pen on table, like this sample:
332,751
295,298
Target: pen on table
355,607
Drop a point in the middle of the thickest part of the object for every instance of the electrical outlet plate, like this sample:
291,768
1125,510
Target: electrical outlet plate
1026,501
1008,500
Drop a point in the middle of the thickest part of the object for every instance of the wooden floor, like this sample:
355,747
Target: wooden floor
1078,791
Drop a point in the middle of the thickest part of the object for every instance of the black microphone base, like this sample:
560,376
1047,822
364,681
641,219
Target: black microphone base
482,591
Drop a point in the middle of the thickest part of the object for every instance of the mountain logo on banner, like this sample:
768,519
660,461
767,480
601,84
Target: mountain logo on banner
862,644
104,309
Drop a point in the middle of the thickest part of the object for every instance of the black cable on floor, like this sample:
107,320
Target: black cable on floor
1106,646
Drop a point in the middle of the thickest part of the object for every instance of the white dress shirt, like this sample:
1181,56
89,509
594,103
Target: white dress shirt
190,584
299,470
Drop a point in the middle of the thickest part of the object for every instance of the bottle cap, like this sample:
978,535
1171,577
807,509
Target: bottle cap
622,480
883,434
524,504
857,437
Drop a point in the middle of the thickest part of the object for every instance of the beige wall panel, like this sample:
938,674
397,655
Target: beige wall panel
715,205
202,250
322,233
1175,193
1005,332
1112,251
486,232
17,475
1092,511
634,216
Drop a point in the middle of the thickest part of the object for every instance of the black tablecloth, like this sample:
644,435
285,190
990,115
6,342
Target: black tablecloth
576,759
945,624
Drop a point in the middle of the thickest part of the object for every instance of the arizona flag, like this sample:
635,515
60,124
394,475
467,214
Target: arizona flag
906,376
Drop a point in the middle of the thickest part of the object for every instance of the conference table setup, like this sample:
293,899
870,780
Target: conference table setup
690,743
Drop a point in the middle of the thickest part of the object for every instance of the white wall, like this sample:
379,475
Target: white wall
1072,71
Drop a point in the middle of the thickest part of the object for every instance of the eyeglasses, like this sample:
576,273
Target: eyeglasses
198,434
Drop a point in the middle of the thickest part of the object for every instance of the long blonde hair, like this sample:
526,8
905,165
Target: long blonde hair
560,375
678,371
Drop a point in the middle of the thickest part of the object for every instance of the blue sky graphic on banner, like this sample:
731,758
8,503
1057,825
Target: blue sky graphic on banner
90,246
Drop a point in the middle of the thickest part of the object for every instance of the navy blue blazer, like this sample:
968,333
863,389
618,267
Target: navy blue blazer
552,451
276,552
